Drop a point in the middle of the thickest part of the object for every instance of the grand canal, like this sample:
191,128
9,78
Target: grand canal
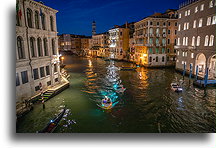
147,105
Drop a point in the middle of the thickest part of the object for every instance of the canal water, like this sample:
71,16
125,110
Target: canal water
148,105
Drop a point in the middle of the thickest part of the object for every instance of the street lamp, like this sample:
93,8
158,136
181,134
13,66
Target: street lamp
62,58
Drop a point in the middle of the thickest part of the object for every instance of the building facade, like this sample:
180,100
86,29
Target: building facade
37,58
155,37
118,42
196,37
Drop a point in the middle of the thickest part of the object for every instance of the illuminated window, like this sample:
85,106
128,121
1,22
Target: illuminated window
185,13
179,27
194,24
183,54
188,12
196,9
210,4
179,41
209,21
198,40
211,42
180,15
214,20
193,41
202,7
200,22
192,55
206,40
187,25
186,41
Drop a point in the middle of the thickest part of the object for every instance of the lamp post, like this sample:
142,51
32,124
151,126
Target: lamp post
62,58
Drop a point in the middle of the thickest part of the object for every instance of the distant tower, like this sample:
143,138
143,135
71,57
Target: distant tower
93,28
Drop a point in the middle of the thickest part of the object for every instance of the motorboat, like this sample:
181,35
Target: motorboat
106,103
175,87
128,68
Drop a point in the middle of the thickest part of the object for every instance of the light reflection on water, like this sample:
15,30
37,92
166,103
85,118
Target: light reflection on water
147,105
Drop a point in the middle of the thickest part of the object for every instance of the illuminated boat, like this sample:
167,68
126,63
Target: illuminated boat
175,87
51,126
106,103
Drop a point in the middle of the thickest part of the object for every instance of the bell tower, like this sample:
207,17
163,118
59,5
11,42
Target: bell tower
93,28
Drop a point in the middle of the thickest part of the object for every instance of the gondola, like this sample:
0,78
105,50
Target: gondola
175,87
51,126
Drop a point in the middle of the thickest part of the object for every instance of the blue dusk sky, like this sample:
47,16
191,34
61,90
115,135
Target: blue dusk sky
76,16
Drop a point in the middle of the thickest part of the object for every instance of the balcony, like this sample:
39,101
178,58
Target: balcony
149,45
185,47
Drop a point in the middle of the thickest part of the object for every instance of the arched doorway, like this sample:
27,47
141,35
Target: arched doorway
211,62
201,62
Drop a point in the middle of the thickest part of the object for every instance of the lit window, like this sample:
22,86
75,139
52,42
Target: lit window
200,22
185,13
179,27
182,62
206,40
177,61
192,55
188,12
198,40
211,42
210,4
178,41
183,41
202,7
193,41
194,24
183,54
214,20
186,41
209,21
196,9
180,15
187,25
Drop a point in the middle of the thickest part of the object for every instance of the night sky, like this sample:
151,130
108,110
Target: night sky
76,16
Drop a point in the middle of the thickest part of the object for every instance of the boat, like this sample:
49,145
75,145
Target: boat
175,87
106,103
120,90
128,68
51,126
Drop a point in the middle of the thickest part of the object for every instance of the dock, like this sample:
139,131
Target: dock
200,83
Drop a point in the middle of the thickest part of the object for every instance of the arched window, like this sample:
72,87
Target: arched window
206,40
51,23
211,42
183,41
151,30
156,58
157,31
39,45
53,47
162,58
32,47
193,41
198,40
37,20
43,21
45,47
20,48
150,59
29,18
186,41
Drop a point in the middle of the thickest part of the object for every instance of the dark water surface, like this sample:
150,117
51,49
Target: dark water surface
147,105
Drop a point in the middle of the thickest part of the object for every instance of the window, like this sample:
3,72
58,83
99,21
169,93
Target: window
48,83
151,41
167,58
202,7
157,31
179,41
39,46
55,68
150,59
151,30
35,73
169,23
183,54
151,23
157,51
183,41
51,23
168,41
18,15
211,42
32,47
188,12
150,50
168,50
157,40
194,24
17,79
193,41
200,22
53,47
24,76
186,41
206,40
164,31
162,58
20,48
214,20
175,32
45,47
198,40
29,18
179,27
158,23
168,31
163,50
185,13
164,24
180,15
43,21
164,41
192,55
47,70
42,73
208,21
210,4
177,52
196,9
176,24
187,25
156,58
37,20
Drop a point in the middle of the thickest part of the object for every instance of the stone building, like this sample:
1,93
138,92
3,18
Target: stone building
119,42
37,58
155,37
196,37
